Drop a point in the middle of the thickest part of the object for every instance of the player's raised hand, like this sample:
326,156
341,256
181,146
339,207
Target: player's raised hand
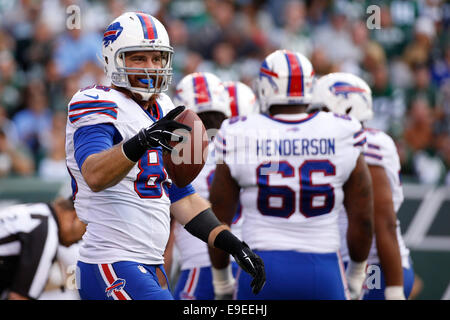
161,132
253,265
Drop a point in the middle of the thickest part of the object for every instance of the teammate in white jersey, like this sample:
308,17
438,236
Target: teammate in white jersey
242,99
115,138
205,94
293,173
29,238
348,94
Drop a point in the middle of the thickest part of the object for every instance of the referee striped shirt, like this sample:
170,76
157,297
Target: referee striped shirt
28,246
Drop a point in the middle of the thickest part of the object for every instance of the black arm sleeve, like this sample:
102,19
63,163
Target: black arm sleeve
202,224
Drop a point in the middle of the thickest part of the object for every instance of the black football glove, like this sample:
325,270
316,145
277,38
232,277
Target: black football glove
253,265
161,133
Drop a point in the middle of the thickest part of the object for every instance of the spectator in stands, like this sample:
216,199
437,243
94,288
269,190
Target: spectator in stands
360,40
388,103
12,82
419,125
192,62
317,13
255,23
91,73
40,49
219,28
419,136
20,22
374,56
322,65
193,13
295,34
444,152
74,49
13,159
35,119
276,9
8,127
53,166
390,36
441,68
422,87
178,35
224,62
418,51
54,84
334,38
442,127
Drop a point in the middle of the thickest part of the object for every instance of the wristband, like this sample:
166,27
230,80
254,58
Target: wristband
222,275
223,282
133,149
394,293
355,274
356,268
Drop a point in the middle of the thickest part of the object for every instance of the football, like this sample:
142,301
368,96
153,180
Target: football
188,156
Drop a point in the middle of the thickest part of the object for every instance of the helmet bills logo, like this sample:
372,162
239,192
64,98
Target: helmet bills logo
344,88
115,287
264,71
112,33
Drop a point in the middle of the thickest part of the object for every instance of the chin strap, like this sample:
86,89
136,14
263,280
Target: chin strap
141,96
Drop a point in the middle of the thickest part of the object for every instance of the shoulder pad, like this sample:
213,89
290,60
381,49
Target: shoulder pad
92,105
165,103
379,145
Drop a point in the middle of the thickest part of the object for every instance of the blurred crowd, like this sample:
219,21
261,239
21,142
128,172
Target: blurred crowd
49,49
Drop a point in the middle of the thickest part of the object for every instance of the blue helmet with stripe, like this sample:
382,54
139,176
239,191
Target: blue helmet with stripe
136,31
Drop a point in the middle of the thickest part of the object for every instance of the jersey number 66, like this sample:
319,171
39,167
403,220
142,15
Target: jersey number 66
308,190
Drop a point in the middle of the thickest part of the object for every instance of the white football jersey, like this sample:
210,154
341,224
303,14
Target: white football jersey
291,170
193,251
381,151
131,220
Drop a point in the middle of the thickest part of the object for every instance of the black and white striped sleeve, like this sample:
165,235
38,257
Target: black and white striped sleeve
38,251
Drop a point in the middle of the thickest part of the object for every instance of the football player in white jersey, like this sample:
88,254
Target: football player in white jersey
347,94
213,101
115,137
293,172
242,99
30,235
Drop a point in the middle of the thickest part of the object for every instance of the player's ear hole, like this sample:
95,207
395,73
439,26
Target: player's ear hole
348,110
